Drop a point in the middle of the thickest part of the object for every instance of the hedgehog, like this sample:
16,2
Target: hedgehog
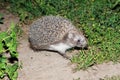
55,33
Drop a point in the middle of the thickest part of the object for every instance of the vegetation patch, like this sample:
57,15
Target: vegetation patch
98,19
104,45
111,78
8,54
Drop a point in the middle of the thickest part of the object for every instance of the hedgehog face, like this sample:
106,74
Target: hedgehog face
80,41
76,39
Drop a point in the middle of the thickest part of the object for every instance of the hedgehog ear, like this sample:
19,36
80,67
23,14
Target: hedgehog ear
70,35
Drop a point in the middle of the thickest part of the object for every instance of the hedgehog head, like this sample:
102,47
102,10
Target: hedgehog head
76,39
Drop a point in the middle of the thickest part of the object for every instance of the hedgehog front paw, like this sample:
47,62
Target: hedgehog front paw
65,56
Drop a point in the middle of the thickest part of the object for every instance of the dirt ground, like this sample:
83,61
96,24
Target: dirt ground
50,65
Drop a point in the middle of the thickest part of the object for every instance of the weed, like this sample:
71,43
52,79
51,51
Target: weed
8,46
111,78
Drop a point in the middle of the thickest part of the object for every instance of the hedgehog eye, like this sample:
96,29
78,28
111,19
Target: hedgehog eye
78,40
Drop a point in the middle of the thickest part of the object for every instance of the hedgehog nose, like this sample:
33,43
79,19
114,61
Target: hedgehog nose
85,44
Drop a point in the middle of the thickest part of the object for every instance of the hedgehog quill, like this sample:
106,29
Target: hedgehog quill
55,33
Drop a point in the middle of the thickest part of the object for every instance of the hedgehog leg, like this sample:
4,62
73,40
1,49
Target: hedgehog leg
64,55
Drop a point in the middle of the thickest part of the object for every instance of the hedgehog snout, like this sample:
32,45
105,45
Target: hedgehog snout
82,42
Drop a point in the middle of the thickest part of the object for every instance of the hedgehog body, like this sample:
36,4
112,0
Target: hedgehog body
55,33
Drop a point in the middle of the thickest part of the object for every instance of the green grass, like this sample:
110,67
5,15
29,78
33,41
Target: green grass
103,47
98,19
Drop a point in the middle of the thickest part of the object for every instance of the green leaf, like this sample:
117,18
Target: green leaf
2,66
3,35
12,71
14,54
7,41
1,47
14,77
2,74
3,59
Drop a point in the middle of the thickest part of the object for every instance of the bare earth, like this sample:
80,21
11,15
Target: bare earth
51,66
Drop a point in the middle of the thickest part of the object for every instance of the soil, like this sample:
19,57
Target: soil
44,65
